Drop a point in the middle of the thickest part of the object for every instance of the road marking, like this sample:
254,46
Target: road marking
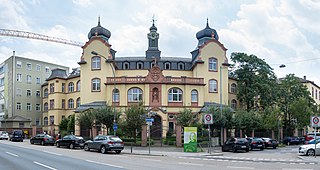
294,169
52,153
186,163
104,164
12,154
239,167
156,160
49,167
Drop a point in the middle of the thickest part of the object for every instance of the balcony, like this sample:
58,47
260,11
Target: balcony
166,80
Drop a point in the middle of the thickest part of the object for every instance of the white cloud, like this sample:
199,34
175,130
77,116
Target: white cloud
12,15
82,3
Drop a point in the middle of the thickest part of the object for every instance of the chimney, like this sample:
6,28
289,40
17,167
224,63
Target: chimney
305,77
14,53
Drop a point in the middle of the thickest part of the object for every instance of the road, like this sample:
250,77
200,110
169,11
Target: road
22,155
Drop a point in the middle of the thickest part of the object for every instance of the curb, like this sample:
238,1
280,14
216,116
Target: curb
308,159
144,154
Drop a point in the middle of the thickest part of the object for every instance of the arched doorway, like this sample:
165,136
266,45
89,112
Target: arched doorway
156,128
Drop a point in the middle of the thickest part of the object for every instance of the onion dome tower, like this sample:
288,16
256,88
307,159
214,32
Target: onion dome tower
99,31
206,34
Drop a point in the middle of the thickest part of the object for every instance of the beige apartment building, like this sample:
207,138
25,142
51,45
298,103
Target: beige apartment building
165,85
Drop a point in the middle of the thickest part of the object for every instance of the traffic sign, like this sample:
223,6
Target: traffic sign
115,126
149,123
315,121
149,119
208,119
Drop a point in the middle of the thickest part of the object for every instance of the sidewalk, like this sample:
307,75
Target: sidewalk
169,151
310,158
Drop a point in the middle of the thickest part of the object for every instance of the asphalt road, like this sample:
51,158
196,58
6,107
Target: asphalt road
22,155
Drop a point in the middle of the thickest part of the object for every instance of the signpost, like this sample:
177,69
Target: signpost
208,121
315,122
149,121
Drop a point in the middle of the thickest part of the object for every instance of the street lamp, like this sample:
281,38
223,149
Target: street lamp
114,88
222,133
278,115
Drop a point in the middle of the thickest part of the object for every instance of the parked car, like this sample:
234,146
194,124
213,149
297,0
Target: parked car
309,149
268,142
71,141
104,143
256,143
17,135
313,141
4,135
42,139
236,144
291,141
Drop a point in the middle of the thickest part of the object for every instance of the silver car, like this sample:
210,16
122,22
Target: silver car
105,143
310,149
4,135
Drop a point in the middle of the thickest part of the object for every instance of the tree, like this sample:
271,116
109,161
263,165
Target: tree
224,119
87,119
63,126
301,112
135,118
187,119
105,116
71,123
255,81
247,120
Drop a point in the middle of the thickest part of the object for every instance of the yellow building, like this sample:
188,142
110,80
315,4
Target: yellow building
165,85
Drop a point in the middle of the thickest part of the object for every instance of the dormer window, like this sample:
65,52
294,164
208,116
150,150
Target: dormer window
126,66
152,64
139,65
213,64
180,66
167,66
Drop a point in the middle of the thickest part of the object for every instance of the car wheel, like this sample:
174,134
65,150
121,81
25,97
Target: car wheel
261,149
310,152
58,145
274,147
71,146
250,148
42,143
118,152
86,148
32,142
103,150
234,150
247,150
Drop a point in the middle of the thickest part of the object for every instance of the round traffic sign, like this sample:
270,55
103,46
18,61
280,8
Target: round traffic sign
208,117
315,120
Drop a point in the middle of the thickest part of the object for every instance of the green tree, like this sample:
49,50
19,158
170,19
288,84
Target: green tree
63,126
247,120
135,118
256,81
105,116
224,119
71,124
187,119
301,112
87,119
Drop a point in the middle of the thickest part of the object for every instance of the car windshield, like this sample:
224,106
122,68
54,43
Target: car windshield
114,138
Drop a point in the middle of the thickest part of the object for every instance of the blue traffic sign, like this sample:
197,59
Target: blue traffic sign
149,119
115,126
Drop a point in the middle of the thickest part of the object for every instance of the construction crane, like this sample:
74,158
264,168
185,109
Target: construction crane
25,34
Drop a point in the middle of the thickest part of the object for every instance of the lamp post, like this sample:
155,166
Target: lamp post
222,133
278,115
114,88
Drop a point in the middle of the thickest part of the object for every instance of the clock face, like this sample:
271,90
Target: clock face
153,35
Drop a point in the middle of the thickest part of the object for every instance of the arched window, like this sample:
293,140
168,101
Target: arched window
194,96
233,104
115,96
139,65
95,84
78,102
167,66
70,104
213,86
78,85
126,66
45,120
175,95
180,66
233,88
213,64
45,92
95,63
134,95
152,64
45,106
71,87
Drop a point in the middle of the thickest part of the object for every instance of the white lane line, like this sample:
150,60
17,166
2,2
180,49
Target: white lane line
12,154
46,166
295,169
156,160
104,164
239,167
52,153
186,163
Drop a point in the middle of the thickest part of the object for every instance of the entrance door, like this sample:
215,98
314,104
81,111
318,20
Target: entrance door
156,128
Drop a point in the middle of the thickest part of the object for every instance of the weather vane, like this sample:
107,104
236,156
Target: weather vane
153,20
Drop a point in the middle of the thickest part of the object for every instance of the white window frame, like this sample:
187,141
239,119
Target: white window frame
29,105
70,104
175,95
19,77
233,88
29,66
135,95
38,67
194,96
18,106
115,95
38,80
19,64
96,63
29,93
29,79
18,91
213,86
38,107
70,87
47,69
213,64
95,84
38,93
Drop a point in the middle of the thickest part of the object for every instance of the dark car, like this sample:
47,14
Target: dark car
272,143
256,143
17,135
236,144
291,141
42,139
104,143
70,141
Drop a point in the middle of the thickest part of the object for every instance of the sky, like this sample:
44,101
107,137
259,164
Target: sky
278,31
